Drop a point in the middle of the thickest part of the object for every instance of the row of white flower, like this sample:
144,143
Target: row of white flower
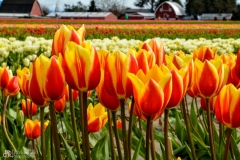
27,50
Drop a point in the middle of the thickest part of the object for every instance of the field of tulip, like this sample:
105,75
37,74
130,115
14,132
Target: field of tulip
158,91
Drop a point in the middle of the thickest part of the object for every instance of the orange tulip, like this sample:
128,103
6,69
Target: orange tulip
227,106
81,66
23,80
12,88
145,60
60,105
4,77
49,88
32,129
29,105
157,49
204,53
117,65
209,77
108,101
151,91
65,34
97,117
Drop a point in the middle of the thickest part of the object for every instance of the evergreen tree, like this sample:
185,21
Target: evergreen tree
92,7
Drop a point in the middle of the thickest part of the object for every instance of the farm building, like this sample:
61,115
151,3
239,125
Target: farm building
137,14
20,8
83,15
169,10
216,16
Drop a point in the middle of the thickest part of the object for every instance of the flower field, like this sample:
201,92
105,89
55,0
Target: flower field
159,90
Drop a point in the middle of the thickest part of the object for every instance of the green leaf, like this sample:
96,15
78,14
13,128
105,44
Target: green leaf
179,151
136,153
178,126
189,151
68,125
68,148
163,150
101,149
47,141
201,152
18,141
235,149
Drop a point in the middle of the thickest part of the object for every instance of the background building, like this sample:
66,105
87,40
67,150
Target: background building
20,8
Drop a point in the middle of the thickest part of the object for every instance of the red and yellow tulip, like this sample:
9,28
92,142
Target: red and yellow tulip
81,66
97,117
27,109
145,59
108,101
49,88
23,80
204,53
117,65
4,77
32,128
12,88
209,77
75,94
151,91
66,34
227,106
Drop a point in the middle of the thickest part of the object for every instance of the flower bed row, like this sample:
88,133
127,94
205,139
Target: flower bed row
18,54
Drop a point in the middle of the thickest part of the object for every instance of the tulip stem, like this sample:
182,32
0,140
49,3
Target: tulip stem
55,129
221,127
43,148
4,124
166,113
26,103
130,126
124,131
85,131
228,141
148,137
111,135
116,135
210,131
30,114
73,118
82,121
200,119
152,142
185,117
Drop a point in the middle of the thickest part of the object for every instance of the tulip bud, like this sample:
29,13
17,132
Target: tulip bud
20,118
46,124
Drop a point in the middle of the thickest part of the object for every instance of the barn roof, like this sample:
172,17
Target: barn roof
178,9
16,6
79,14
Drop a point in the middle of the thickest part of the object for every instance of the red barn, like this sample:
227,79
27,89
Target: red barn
169,10
20,8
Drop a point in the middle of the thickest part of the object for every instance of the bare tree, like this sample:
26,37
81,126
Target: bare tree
115,6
